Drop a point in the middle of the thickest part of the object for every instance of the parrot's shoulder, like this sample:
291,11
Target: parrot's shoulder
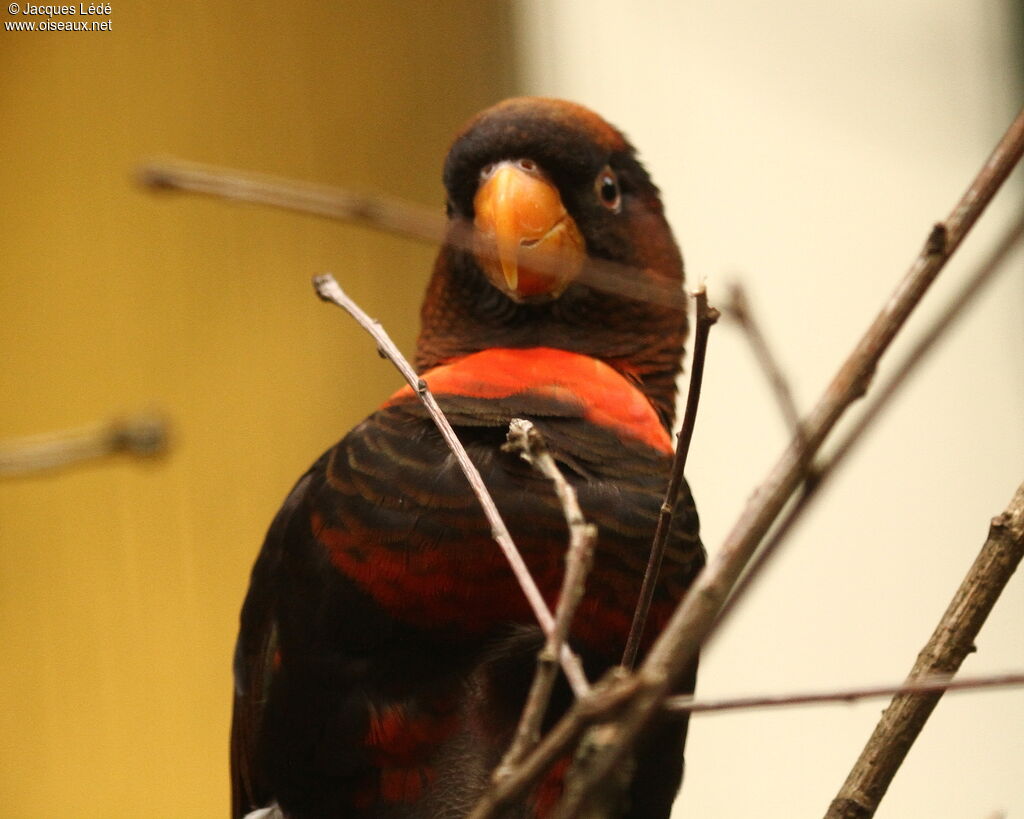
494,385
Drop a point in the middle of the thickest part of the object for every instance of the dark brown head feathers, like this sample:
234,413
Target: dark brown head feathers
627,307
571,142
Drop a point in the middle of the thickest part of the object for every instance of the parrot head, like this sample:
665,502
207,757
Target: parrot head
556,238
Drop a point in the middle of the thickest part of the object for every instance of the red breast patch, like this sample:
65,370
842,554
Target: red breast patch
602,394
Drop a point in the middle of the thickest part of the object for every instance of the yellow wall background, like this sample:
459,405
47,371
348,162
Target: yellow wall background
120,581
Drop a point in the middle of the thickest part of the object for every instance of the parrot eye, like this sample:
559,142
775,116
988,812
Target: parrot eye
607,187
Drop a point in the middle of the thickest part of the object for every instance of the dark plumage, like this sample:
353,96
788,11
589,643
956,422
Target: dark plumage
385,648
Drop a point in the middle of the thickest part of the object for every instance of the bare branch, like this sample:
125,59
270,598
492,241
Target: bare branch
524,438
142,436
950,643
955,309
738,307
706,317
329,290
696,614
380,212
919,685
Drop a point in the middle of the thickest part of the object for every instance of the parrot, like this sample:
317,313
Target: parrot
385,650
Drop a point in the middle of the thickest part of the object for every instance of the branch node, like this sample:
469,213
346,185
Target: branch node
321,284
522,438
155,177
145,435
938,240
1000,521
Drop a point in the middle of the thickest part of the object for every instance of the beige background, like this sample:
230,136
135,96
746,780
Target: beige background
806,148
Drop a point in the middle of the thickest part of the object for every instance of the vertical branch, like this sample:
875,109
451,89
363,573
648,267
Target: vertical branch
706,317
524,438
951,642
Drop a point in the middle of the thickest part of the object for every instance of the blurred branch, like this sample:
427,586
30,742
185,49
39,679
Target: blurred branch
950,643
706,317
919,685
738,307
142,436
524,438
329,290
955,309
380,212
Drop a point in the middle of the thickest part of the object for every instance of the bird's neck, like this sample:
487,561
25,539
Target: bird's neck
463,315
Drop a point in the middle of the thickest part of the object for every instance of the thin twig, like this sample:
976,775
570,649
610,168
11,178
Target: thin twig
706,317
738,307
329,290
679,642
524,438
577,782
919,685
950,643
142,436
956,308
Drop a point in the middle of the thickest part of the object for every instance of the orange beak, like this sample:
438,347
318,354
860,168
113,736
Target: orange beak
525,242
